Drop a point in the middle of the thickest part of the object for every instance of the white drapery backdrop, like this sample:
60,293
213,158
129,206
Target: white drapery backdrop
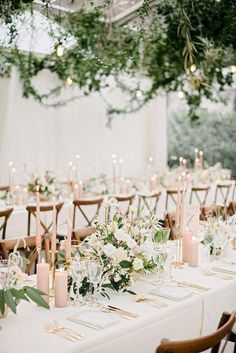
48,138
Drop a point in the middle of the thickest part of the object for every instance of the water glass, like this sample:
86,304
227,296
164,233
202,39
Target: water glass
94,271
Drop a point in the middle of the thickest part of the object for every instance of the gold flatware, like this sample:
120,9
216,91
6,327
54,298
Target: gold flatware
125,312
50,329
74,333
193,285
105,309
153,302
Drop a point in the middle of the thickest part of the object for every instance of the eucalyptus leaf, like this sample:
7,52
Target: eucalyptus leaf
36,297
2,302
9,300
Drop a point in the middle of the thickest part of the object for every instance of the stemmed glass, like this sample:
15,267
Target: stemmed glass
78,274
94,272
3,272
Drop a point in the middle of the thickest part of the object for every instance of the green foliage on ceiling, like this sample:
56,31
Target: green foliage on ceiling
178,45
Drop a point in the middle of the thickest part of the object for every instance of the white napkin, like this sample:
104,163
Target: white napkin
171,292
225,268
94,319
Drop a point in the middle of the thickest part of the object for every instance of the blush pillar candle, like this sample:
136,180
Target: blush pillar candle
187,236
61,293
193,253
43,279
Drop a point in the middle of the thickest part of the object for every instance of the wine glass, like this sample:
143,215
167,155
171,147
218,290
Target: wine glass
78,274
3,272
94,271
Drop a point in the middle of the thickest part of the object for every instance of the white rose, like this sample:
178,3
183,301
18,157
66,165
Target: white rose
131,243
121,235
117,277
137,264
147,248
119,255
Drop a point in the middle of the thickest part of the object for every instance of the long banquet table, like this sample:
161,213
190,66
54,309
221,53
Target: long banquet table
17,223
199,314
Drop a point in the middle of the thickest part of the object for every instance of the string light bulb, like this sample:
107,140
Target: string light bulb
68,81
193,68
233,69
60,50
139,93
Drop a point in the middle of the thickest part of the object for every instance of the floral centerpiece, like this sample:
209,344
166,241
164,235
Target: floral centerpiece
12,289
217,233
125,247
47,185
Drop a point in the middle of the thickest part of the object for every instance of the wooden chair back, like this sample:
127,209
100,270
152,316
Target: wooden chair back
201,344
27,247
170,223
81,233
43,208
5,214
200,193
213,211
5,188
232,208
123,199
80,203
223,190
143,202
171,194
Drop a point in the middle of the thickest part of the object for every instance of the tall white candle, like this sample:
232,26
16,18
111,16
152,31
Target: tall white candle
178,204
54,230
114,171
77,158
120,167
201,159
38,224
70,165
69,233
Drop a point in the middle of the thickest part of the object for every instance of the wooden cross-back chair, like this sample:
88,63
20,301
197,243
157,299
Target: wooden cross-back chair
80,203
43,208
143,202
27,247
213,211
170,223
232,208
4,188
200,193
171,194
81,233
5,214
123,199
201,344
224,190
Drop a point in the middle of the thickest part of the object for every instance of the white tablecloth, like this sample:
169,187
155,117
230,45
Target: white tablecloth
24,333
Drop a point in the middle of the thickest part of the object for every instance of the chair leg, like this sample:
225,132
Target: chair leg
29,221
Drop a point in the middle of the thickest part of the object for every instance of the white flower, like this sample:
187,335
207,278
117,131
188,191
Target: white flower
109,250
137,264
119,255
147,249
131,243
121,235
117,277
110,202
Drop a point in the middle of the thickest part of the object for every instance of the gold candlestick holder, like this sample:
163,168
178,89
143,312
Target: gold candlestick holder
38,249
67,264
53,267
178,262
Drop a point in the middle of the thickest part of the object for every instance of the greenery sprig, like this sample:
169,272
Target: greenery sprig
179,45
